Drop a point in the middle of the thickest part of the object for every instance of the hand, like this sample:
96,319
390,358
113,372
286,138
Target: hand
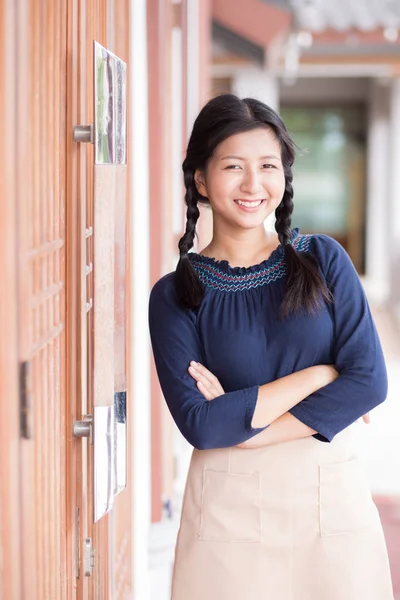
366,419
207,383
249,444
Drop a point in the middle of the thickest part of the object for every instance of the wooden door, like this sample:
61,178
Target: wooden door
98,198
47,362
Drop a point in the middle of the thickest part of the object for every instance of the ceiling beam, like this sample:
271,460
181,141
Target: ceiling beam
251,19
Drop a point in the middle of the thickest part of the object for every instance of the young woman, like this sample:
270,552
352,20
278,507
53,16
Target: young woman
266,353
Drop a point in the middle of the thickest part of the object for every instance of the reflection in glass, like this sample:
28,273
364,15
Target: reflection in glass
104,484
119,441
110,107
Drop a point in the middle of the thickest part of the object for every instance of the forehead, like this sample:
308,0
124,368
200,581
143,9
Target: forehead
250,144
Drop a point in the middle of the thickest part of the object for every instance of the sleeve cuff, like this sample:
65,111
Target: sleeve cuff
324,434
251,401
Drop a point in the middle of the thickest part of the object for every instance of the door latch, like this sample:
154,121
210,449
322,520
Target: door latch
89,557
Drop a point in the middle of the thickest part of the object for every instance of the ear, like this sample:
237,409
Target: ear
199,181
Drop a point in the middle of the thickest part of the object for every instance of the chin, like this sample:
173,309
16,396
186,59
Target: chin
251,223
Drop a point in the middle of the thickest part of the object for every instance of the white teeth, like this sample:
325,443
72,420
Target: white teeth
249,204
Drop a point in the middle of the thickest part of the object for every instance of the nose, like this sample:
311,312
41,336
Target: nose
251,182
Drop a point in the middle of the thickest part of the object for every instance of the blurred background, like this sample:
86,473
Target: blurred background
332,70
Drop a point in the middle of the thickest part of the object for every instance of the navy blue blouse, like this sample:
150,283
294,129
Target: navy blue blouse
237,335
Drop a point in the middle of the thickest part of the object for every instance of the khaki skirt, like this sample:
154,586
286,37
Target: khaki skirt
292,521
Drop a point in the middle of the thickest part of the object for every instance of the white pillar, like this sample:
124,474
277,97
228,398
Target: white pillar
193,62
378,199
139,404
182,450
394,190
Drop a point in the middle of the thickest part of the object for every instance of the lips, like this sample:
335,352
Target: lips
249,205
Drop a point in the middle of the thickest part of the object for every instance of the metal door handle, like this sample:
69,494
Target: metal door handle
84,133
84,428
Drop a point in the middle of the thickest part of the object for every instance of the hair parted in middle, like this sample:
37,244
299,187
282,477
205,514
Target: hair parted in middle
222,117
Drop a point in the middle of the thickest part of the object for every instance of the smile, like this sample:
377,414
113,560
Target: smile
247,204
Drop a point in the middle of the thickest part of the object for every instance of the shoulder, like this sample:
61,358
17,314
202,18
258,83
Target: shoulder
321,246
163,294
163,305
164,287
164,299
165,312
327,250
332,258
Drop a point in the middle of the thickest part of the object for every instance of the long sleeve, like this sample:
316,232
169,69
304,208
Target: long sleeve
358,357
220,423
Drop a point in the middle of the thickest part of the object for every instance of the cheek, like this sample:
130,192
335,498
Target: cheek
220,187
277,186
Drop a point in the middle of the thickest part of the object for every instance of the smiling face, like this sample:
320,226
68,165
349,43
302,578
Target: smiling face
244,179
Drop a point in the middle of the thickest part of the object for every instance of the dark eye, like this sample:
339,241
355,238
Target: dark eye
232,167
269,166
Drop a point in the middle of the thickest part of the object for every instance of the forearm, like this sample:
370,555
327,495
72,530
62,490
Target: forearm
278,397
284,429
226,419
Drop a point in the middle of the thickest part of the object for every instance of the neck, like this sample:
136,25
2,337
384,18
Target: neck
241,248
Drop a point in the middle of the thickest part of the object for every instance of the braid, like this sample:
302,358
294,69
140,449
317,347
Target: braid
305,288
188,286
284,211
192,214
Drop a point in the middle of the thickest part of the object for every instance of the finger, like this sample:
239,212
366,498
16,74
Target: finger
214,390
206,393
366,419
208,377
199,376
205,372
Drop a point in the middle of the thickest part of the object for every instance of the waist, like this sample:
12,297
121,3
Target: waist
294,457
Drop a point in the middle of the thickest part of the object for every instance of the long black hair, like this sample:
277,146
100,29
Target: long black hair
221,117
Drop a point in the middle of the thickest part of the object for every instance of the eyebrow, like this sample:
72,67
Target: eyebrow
261,157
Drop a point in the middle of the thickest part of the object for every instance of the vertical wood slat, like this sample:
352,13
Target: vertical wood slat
26,278
42,395
96,27
76,588
59,151
42,298
77,496
119,520
9,410
122,513
156,185
89,34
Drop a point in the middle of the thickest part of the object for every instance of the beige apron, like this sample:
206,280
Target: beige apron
292,521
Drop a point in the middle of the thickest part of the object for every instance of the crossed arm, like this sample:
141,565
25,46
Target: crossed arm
272,403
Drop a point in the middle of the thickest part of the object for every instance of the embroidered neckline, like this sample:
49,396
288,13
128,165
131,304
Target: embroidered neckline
219,274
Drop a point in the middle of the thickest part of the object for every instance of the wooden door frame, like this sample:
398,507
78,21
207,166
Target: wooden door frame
10,550
77,449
